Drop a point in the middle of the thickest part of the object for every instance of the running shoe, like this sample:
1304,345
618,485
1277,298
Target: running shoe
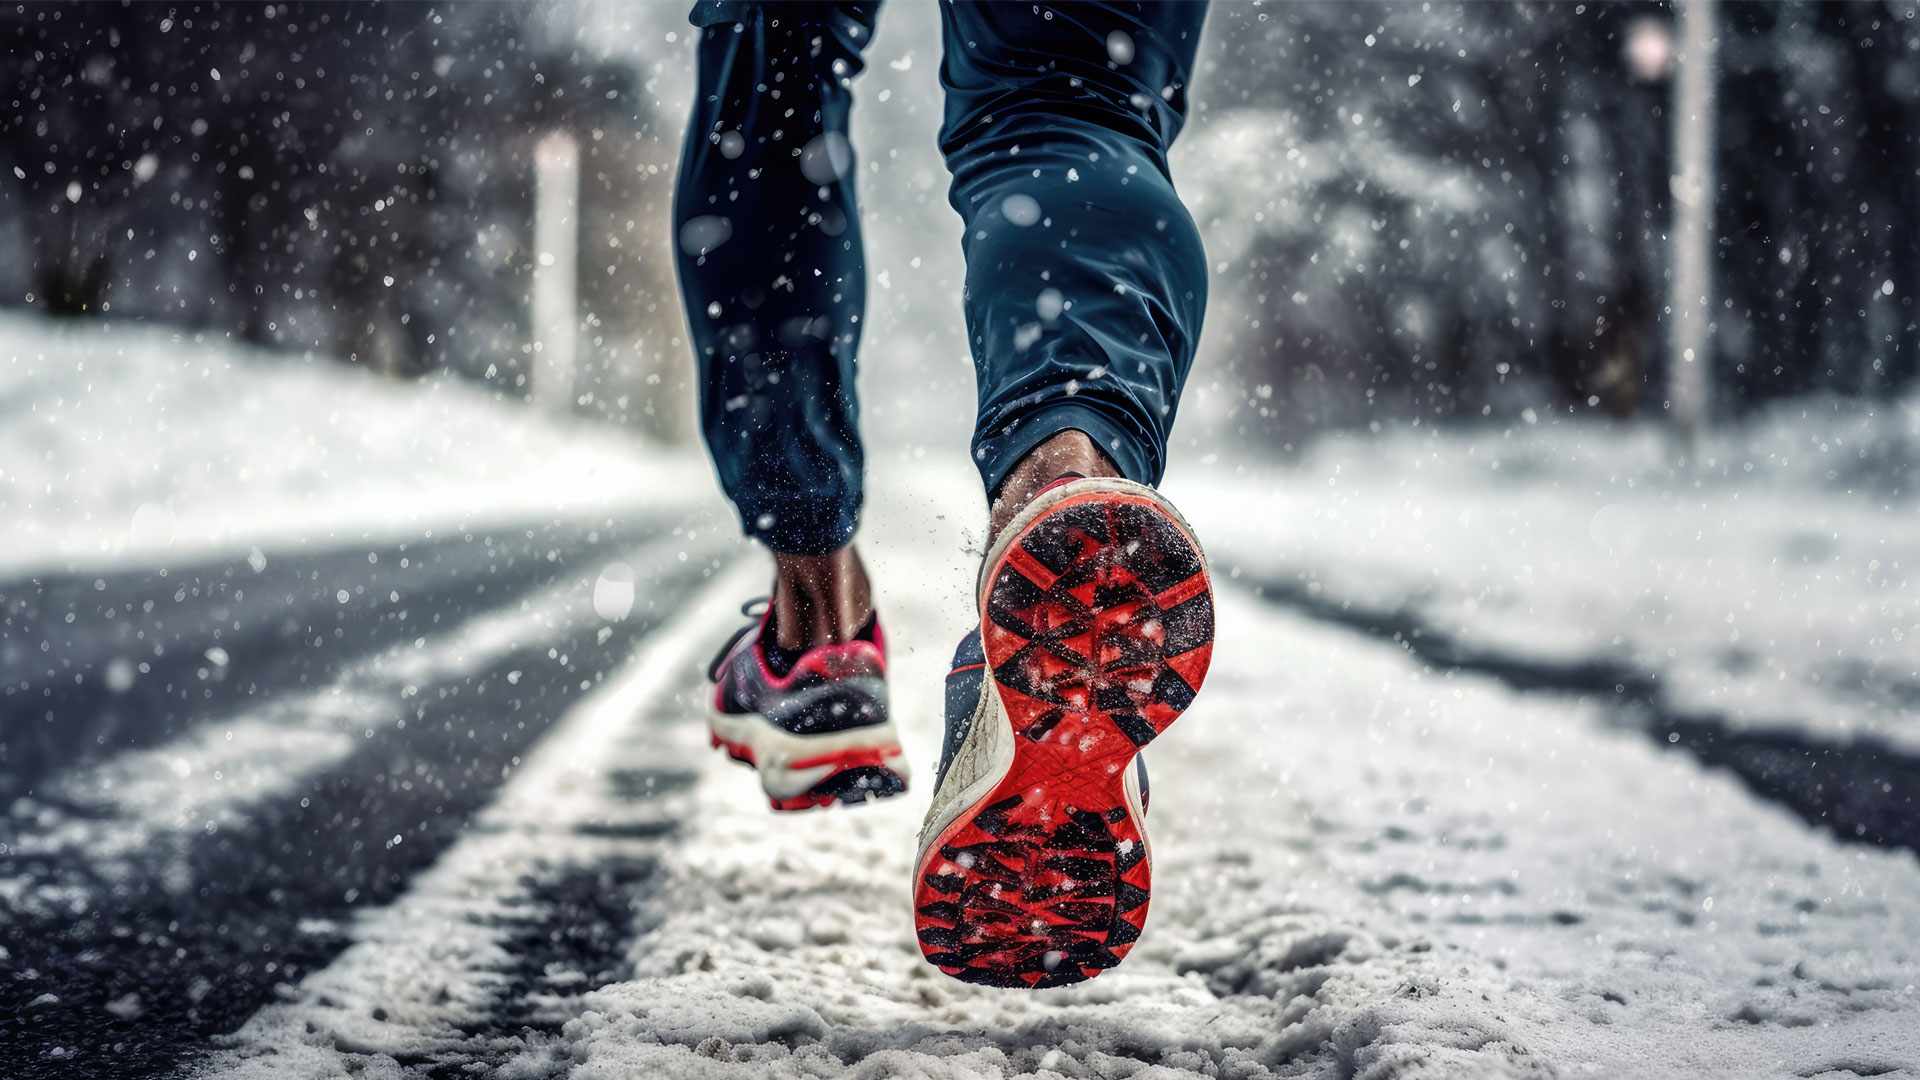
1096,628
817,734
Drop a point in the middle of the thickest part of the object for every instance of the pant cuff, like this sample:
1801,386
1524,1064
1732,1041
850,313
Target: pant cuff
793,527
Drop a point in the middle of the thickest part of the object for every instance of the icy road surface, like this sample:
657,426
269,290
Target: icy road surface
497,845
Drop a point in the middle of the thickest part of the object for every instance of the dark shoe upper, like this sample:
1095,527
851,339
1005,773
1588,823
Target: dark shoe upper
966,681
829,688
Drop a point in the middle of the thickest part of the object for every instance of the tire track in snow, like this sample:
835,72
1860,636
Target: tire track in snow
186,881
486,952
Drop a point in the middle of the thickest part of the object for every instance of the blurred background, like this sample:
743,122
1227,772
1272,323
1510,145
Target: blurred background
1438,211
1563,352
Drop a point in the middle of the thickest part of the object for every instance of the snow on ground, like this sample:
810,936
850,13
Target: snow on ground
1773,582
425,970
1362,868
786,947
1637,912
123,440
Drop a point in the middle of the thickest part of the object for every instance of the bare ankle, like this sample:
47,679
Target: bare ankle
1067,452
819,599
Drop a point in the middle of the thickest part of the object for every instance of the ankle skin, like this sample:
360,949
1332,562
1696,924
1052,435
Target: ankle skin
1067,452
819,599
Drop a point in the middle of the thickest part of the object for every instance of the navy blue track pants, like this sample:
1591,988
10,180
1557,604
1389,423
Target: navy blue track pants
1085,284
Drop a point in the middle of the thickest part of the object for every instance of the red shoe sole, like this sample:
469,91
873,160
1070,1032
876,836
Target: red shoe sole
858,775
1098,629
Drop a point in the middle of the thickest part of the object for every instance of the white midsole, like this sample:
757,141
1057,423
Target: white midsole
1130,787
774,748
989,734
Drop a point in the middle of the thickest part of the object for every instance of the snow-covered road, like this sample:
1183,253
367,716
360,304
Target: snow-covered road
1368,866
411,806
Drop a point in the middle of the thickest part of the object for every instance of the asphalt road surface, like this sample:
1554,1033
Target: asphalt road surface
131,931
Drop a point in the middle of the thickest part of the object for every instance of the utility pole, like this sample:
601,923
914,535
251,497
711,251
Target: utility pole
1690,299
556,295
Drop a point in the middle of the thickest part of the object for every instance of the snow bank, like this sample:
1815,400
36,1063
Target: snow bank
119,442
1771,582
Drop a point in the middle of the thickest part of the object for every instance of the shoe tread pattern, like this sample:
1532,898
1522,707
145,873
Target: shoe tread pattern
1098,630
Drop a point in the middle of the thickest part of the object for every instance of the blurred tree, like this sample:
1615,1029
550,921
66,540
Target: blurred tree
1821,214
349,178
1448,209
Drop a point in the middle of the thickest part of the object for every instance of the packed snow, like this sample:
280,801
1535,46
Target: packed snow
128,442
1769,579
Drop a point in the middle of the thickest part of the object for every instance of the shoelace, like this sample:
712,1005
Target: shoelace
752,609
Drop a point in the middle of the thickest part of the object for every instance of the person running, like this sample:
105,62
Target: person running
1085,288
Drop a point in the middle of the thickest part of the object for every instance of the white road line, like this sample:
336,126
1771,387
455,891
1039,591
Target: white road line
210,776
432,961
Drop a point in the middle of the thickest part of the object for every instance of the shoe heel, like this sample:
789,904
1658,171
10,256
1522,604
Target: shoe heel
1101,608
857,777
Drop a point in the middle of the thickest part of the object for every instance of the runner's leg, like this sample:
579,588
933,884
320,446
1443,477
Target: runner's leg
770,260
1086,281
770,266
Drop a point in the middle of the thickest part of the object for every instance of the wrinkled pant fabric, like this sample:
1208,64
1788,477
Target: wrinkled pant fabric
1086,280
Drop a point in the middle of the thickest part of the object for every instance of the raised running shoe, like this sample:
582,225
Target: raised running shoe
1096,628
818,733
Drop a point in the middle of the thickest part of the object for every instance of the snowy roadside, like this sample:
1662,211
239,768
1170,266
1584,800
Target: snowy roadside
1638,913
1367,864
126,444
1773,584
